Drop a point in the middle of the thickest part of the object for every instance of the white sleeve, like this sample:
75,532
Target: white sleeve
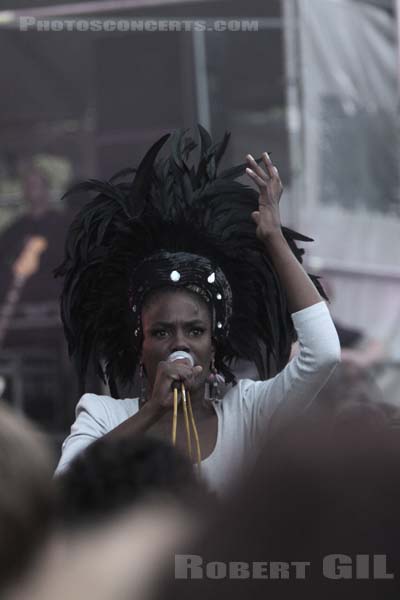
286,395
91,422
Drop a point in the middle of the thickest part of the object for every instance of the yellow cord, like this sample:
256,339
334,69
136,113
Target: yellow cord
185,414
175,417
195,433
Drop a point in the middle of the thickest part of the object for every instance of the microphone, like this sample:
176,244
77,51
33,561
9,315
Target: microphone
180,355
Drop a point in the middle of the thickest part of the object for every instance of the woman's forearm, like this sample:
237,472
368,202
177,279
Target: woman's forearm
300,290
138,423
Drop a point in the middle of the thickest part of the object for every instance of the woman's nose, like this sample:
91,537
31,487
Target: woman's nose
180,342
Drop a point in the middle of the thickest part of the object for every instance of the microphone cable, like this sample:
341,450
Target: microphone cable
187,410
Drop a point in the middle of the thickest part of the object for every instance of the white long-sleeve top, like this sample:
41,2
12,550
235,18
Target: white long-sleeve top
246,413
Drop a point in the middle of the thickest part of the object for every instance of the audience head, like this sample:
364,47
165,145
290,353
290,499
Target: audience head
26,500
351,390
112,475
319,489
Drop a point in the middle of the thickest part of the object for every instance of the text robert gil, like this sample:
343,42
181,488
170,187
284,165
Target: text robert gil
334,566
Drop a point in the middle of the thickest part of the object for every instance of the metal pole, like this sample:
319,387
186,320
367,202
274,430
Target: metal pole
294,108
397,14
201,79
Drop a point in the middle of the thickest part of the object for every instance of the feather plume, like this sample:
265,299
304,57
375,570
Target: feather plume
169,204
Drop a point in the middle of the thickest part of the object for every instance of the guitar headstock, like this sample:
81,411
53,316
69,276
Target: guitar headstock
27,264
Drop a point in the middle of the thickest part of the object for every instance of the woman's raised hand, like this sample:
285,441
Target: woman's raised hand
267,217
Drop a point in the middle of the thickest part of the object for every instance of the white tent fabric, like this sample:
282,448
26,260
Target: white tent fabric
349,82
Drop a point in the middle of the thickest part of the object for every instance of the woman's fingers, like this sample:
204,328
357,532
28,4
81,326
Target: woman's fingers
182,372
267,179
271,170
167,373
256,168
256,178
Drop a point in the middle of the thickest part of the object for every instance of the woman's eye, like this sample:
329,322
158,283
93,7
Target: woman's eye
160,333
197,331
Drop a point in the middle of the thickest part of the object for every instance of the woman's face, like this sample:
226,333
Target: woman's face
176,320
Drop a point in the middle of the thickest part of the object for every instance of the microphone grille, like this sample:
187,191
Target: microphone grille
181,355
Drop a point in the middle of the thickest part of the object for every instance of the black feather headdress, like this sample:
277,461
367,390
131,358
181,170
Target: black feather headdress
198,221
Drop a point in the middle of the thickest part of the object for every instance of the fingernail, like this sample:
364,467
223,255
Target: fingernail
266,154
250,156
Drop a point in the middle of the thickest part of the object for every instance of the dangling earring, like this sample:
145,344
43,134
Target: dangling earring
214,381
142,394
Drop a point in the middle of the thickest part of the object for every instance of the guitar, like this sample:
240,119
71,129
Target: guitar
26,265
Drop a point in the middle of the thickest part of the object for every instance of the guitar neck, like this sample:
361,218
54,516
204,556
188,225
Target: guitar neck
26,265
10,304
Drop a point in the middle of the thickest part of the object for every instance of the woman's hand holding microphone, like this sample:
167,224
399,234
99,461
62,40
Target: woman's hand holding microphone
177,369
